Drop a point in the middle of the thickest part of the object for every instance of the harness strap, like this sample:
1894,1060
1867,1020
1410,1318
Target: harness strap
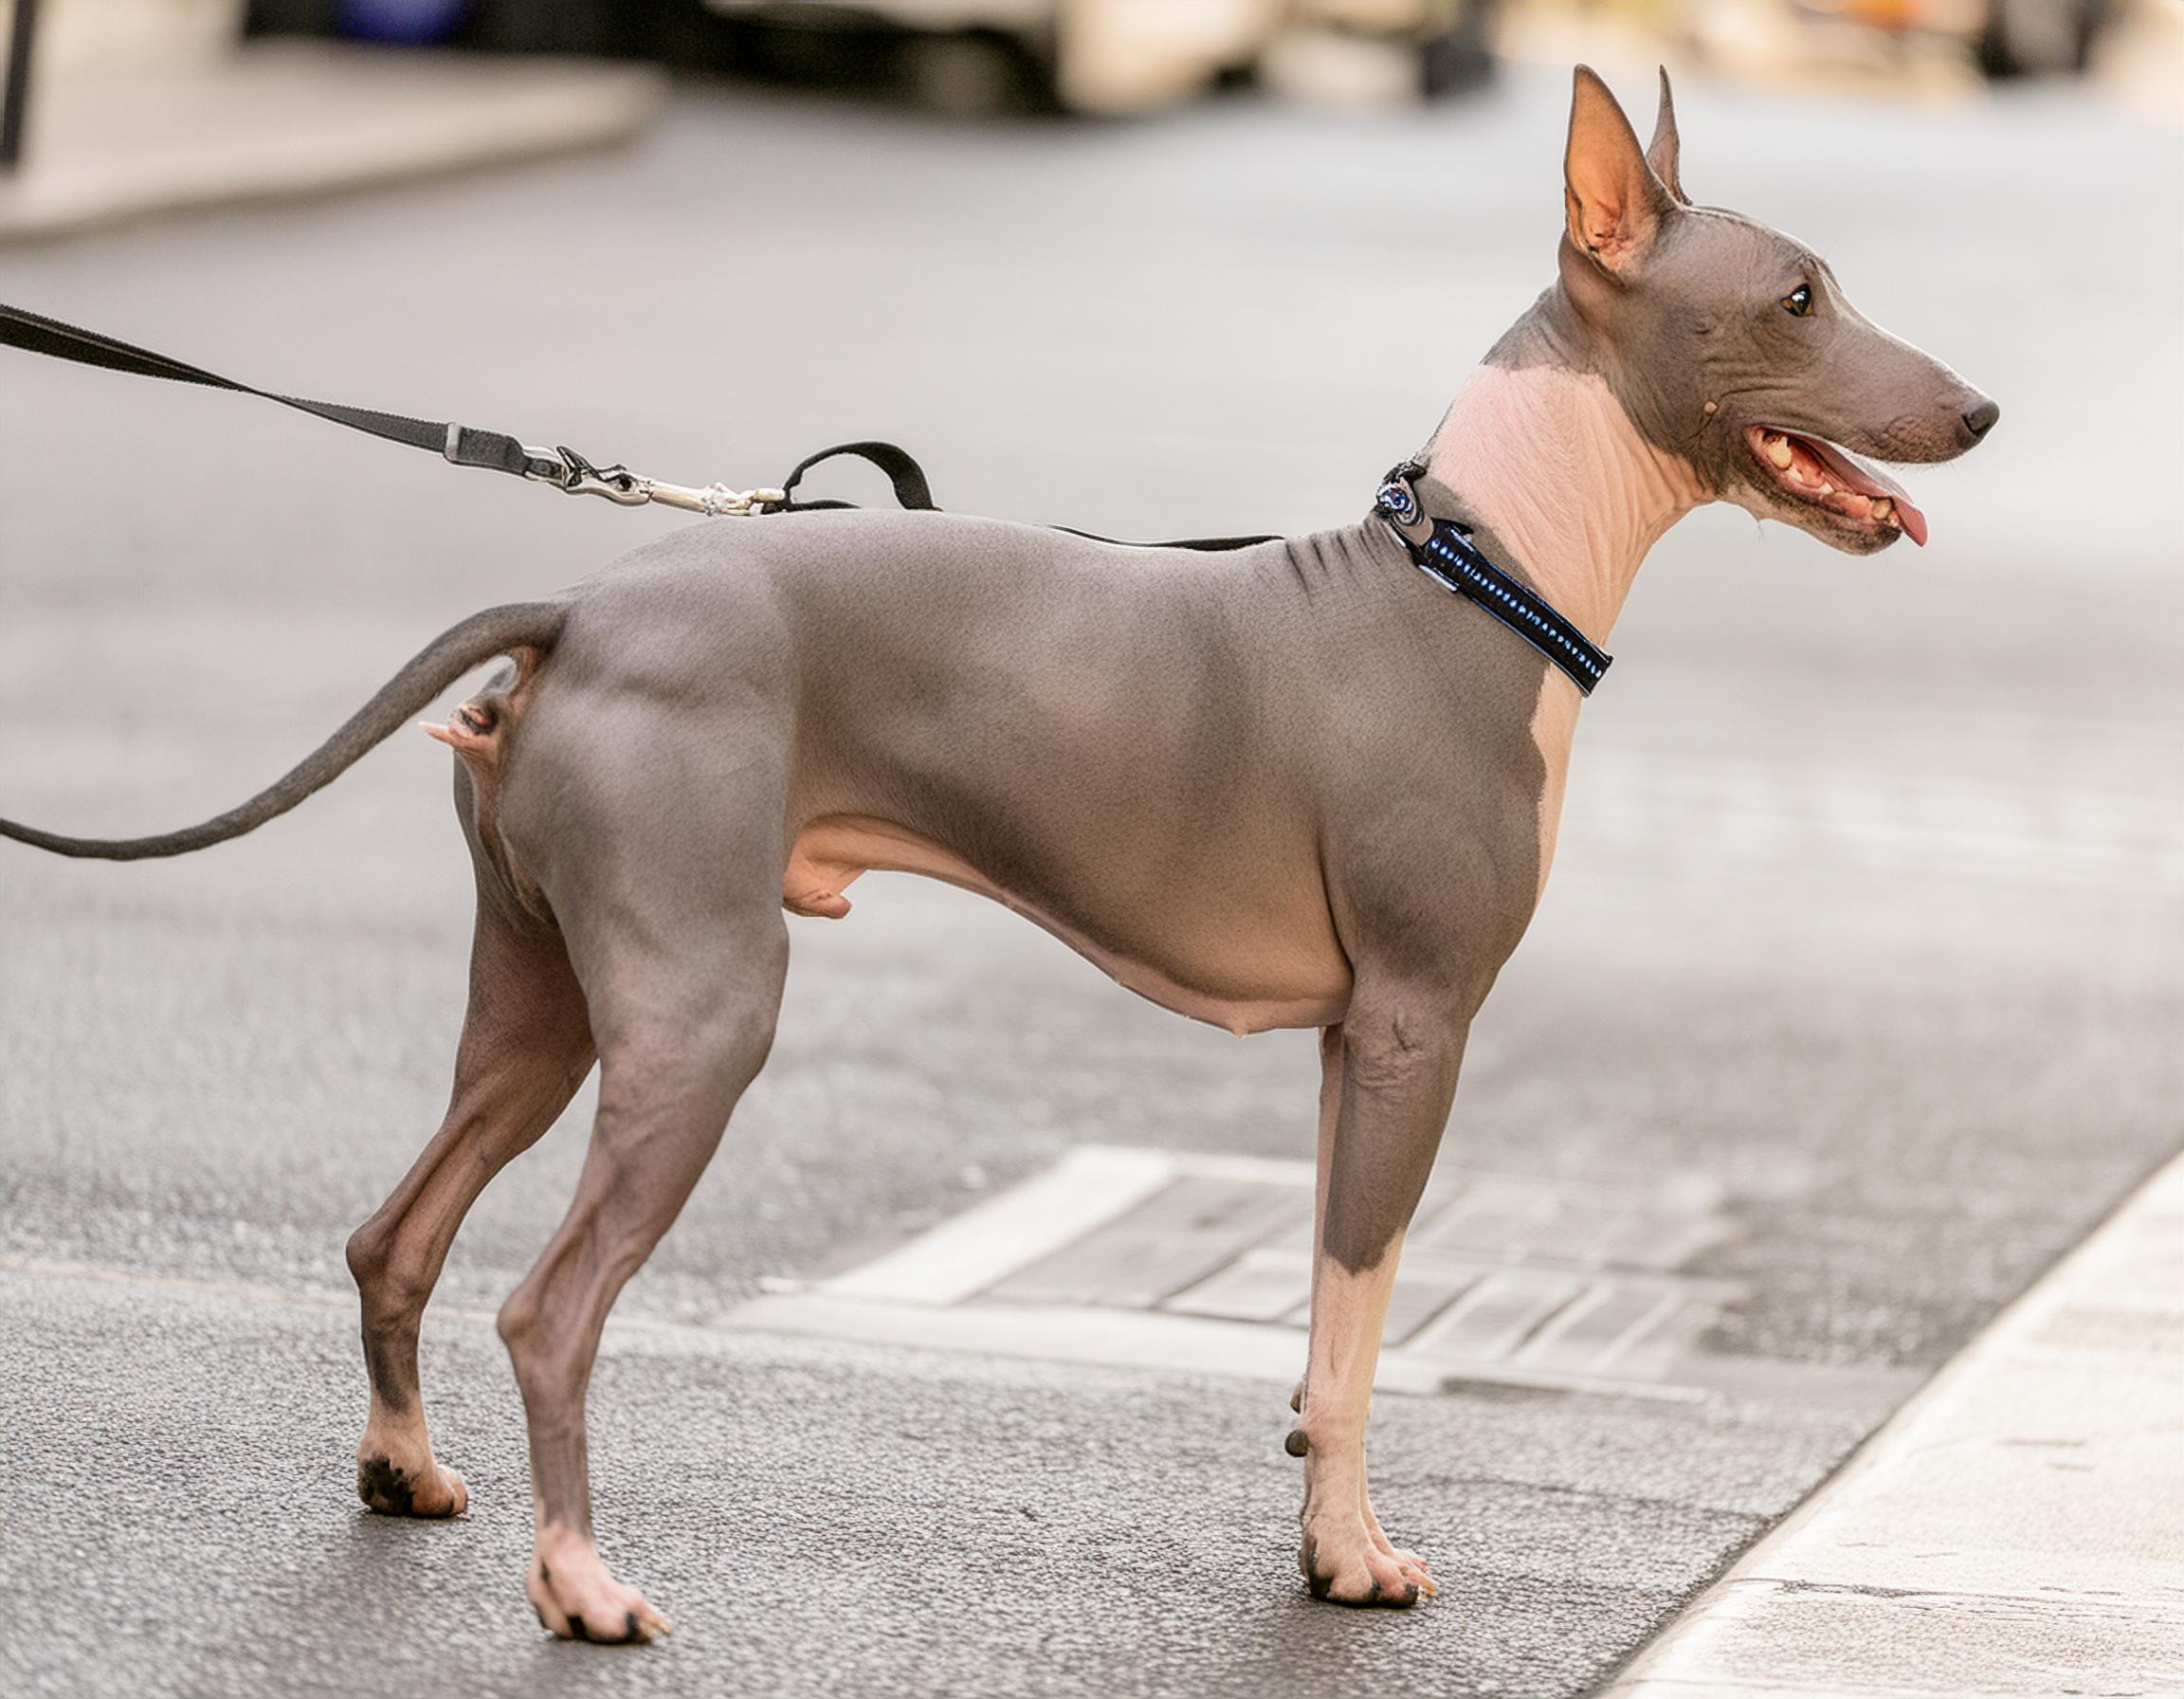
1447,556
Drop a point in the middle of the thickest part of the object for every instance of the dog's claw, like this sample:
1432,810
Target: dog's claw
577,1598
432,1492
1349,1565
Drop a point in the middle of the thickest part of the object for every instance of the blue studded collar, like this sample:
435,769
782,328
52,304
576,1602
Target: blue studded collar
1449,557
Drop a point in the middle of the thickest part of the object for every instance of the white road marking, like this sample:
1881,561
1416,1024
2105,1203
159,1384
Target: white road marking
966,1253
1077,1228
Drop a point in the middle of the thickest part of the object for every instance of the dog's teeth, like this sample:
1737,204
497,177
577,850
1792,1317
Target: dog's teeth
1883,508
1779,451
1826,488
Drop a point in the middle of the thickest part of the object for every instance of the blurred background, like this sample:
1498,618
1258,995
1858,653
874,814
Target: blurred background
1854,1001
132,86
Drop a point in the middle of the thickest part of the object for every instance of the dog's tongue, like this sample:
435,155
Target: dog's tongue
1867,482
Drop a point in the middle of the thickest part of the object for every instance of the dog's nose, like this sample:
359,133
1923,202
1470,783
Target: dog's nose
1980,420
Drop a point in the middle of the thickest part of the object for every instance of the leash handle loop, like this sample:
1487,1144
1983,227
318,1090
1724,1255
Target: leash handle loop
905,474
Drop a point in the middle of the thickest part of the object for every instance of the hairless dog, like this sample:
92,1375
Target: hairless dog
1293,784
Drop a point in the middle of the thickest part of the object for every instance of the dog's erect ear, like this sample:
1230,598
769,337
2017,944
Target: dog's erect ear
1662,152
1613,200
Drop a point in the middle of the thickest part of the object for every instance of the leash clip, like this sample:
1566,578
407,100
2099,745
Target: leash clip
576,476
715,500
573,475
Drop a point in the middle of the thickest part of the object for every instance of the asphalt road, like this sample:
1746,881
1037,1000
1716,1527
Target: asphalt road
1866,915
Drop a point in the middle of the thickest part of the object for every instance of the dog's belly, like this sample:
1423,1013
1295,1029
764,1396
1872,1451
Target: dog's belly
1299,979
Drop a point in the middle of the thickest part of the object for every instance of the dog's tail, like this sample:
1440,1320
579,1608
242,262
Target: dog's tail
454,652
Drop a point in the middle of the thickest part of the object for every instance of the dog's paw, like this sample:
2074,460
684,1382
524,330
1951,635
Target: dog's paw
577,1599
1343,1564
390,1490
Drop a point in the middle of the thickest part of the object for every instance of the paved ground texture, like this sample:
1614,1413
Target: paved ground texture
1865,927
2013,1532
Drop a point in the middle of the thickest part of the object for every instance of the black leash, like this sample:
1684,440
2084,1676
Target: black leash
907,475
1447,556
38,333
460,445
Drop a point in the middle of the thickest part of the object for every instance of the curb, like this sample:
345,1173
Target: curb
284,120
2017,1528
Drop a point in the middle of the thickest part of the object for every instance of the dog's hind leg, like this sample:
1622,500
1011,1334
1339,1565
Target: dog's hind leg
526,1046
675,1056
673,916
1391,1077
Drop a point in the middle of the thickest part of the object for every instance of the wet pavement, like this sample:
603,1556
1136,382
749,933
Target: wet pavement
1864,929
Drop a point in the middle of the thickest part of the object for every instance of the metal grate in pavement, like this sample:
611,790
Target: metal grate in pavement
1182,1259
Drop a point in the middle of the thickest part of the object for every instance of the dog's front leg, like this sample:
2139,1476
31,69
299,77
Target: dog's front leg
1390,1075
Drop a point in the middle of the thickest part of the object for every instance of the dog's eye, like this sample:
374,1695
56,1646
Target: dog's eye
1798,303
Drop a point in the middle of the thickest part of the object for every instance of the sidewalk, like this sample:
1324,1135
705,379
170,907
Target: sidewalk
2017,1529
282,120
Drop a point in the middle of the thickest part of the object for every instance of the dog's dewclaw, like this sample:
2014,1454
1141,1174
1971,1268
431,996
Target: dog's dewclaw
1296,1445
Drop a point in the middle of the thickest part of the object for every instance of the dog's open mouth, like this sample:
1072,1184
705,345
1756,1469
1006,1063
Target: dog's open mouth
1821,475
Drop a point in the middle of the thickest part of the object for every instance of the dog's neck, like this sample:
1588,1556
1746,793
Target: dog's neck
1551,463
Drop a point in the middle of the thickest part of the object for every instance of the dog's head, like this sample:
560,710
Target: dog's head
1733,346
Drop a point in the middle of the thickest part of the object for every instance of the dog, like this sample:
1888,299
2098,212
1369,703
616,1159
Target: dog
1288,784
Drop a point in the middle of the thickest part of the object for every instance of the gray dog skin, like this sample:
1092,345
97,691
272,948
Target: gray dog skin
1294,784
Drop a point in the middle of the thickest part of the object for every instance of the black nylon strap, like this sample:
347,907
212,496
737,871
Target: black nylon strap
907,475
1451,560
1210,545
912,492
466,447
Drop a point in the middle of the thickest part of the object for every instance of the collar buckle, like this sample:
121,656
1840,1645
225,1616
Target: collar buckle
1395,499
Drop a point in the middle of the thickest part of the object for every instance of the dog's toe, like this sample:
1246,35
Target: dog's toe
578,1598
1346,1568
